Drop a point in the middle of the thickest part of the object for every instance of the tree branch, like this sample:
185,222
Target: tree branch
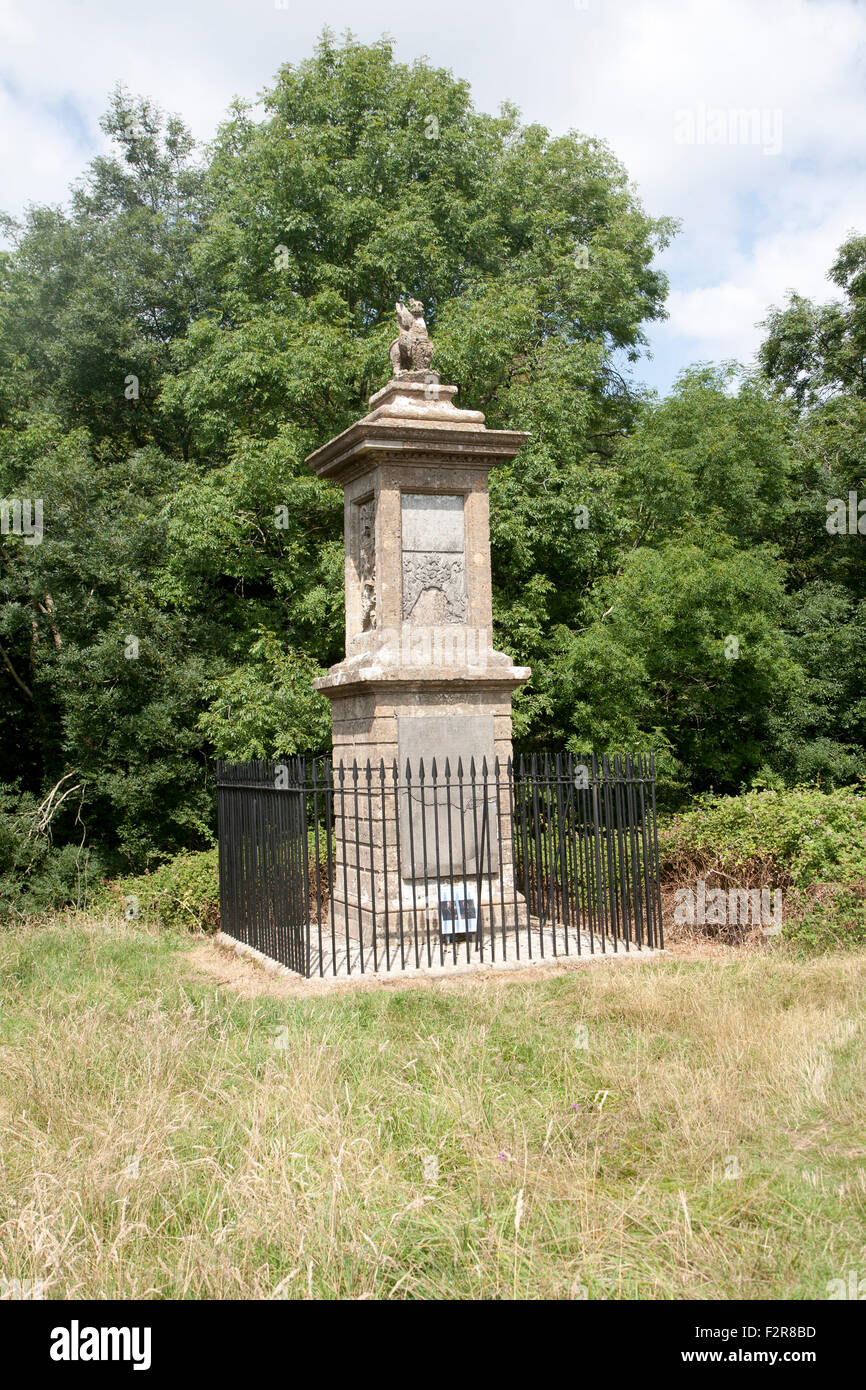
14,674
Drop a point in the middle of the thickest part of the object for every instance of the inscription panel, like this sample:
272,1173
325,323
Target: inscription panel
452,829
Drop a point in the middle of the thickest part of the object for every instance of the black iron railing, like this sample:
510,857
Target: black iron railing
343,868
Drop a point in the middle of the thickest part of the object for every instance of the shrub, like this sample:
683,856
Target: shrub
181,894
810,843
829,916
184,892
798,837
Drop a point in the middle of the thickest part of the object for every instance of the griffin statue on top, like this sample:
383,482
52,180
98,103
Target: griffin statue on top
411,350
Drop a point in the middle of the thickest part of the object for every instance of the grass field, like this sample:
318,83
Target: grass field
678,1129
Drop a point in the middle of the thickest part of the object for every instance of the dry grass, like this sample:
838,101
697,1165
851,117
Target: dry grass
167,1130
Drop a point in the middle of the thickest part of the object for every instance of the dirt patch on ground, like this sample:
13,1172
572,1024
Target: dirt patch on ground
237,973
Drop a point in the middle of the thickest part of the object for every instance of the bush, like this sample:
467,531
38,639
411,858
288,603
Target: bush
182,894
799,837
829,916
810,843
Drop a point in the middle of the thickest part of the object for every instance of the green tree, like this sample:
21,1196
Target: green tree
683,652
88,299
816,356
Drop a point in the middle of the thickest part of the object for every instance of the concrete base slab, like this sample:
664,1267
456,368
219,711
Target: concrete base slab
549,946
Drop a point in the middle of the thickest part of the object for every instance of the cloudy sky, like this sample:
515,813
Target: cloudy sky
763,203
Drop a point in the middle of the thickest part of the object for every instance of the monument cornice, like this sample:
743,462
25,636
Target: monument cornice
409,682
367,444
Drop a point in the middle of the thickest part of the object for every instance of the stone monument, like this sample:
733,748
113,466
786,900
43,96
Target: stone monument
420,679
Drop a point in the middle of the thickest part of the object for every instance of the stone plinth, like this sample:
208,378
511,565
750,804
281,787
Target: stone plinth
420,679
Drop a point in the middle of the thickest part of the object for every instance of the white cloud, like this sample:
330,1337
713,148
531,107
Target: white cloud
754,225
15,27
721,318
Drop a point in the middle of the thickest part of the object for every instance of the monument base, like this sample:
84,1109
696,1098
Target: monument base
381,718
431,915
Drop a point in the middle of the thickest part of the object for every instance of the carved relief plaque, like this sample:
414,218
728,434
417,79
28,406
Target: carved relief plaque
434,565
367,563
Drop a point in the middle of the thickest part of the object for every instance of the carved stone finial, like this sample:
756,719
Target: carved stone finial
411,350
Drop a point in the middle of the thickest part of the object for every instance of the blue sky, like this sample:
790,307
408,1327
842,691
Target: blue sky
745,119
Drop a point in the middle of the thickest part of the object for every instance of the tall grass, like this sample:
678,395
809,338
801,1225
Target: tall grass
667,1130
